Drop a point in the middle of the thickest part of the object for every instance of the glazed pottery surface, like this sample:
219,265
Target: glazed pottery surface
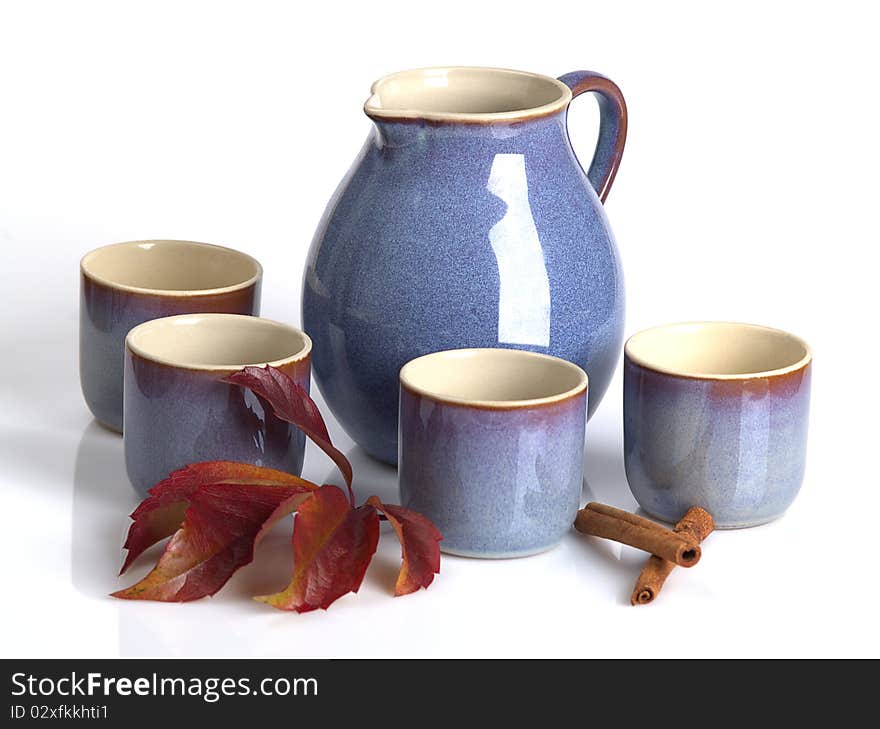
466,221
177,411
715,415
491,448
125,284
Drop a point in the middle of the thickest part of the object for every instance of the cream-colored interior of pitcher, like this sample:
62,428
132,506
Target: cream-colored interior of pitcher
493,377
218,341
171,266
718,350
466,93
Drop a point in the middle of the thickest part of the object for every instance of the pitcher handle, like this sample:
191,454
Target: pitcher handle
612,126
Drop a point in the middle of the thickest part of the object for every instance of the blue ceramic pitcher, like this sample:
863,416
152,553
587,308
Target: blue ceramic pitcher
466,221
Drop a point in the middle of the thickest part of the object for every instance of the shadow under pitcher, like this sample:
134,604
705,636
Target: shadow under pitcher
466,221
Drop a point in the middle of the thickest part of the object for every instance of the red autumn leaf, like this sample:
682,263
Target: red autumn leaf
219,510
162,512
333,544
223,524
420,543
290,402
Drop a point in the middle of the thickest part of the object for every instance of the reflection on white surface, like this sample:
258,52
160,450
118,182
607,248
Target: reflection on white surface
524,295
102,499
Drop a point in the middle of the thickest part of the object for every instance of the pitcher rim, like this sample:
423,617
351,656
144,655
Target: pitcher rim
373,110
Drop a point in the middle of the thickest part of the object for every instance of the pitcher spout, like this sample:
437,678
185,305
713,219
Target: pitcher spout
412,107
465,95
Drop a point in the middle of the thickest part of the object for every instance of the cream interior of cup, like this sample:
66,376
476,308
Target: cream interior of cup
493,377
717,350
170,265
464,90
217,341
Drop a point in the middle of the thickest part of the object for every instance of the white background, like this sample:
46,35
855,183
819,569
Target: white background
748,191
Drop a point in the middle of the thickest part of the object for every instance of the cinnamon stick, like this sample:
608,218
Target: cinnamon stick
697,524
601,520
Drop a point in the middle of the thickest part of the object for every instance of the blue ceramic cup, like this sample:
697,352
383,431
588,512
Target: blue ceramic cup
177,410
125,284
491,448
715,415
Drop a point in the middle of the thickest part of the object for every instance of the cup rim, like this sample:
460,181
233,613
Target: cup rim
374,110
684,373
581,386
87,259
133,347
